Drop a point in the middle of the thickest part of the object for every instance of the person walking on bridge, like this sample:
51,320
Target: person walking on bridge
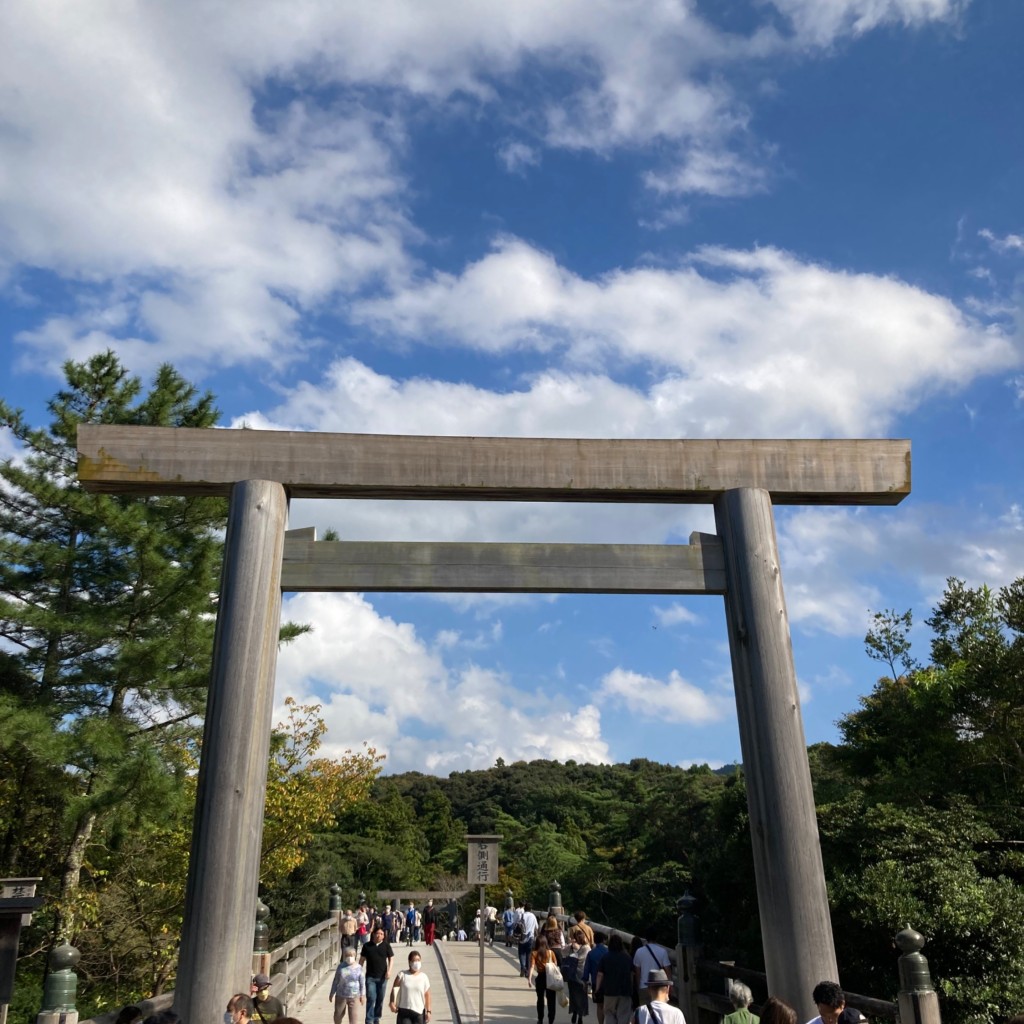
657,1010
581,922
240,1009
538,977
347,988
615,982
376,960
552,931
574,962
410,994
590,971
741,997
527,926
650,957
508,923
429,922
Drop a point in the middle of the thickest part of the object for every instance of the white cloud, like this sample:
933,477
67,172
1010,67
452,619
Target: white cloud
517,157
712,172
743,343
380,684
447,638
674,700
829,555
1004,245
675,614
202,177
819,22
10,447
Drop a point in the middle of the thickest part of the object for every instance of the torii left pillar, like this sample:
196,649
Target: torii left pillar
223,872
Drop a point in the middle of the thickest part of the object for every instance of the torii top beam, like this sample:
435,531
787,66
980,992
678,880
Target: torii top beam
193,461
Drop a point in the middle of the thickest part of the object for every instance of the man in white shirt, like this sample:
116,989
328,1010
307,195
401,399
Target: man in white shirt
650,957
528,922
657,1009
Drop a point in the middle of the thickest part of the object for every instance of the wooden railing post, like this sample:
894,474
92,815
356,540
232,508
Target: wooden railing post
918,1000
261,940
688,950
61,987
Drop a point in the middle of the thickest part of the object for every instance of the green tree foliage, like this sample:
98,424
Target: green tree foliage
922,822
888,640
106,606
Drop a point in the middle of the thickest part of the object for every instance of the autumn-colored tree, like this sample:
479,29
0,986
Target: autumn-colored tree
306,793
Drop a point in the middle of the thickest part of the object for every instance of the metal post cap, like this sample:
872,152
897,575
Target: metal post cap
64,957
909,940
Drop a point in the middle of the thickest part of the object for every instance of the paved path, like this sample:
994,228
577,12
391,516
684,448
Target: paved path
507,998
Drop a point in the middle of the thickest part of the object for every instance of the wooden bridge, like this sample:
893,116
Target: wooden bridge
302,970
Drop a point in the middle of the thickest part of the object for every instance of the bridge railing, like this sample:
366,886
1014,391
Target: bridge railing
702,984
296,967
301,963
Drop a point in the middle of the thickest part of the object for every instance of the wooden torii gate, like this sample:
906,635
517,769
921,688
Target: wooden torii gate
261,470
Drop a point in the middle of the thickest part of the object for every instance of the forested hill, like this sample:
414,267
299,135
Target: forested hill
920,813
538,790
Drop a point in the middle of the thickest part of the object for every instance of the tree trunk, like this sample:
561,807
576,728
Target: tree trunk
64,922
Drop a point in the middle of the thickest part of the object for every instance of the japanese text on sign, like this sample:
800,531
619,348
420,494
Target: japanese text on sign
483,863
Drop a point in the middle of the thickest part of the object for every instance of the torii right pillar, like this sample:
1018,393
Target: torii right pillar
796,929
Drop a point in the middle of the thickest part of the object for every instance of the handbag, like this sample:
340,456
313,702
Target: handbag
553,977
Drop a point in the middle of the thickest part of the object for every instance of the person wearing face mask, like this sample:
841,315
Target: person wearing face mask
410,994
348,987
267,1007
240,1009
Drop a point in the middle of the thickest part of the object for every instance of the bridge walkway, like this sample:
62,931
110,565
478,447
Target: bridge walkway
507,998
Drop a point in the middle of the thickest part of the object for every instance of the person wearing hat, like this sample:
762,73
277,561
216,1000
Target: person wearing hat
658,1010
267,1007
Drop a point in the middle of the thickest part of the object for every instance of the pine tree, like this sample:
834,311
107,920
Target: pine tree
107,608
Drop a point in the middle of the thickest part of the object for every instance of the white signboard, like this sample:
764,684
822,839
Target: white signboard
483,860
17,888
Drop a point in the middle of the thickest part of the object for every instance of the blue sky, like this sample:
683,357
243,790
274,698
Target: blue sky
592,218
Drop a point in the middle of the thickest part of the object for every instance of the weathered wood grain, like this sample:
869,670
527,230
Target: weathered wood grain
796,928
165,460
697,568
223,875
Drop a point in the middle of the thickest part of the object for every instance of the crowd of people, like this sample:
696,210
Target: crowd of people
630,985
407,925
574,967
